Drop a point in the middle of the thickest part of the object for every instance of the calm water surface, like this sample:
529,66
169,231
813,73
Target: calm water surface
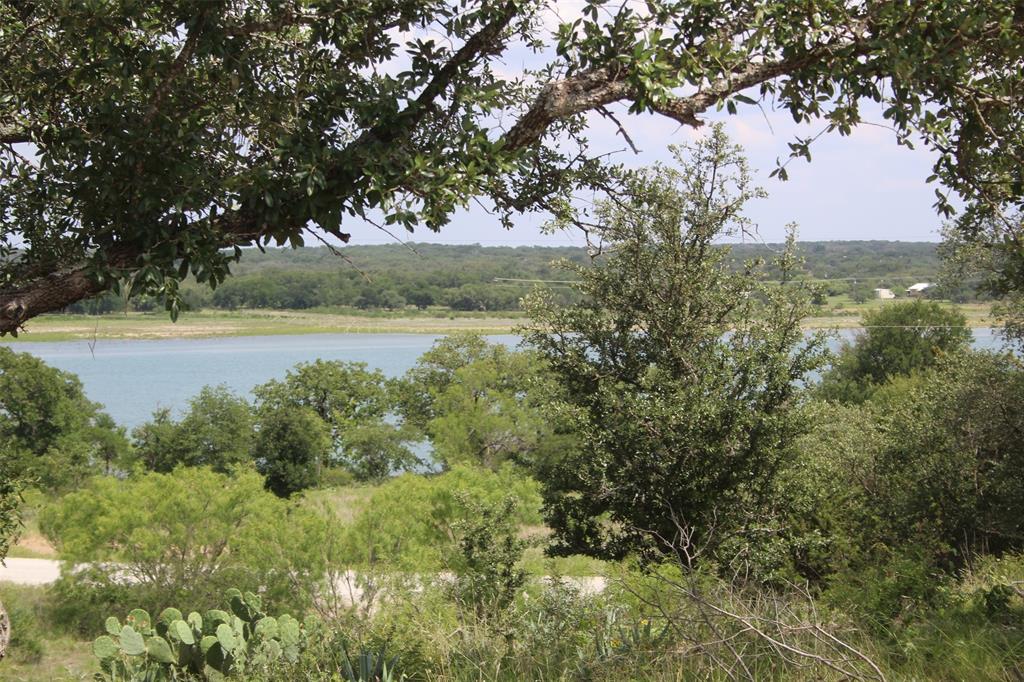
133,378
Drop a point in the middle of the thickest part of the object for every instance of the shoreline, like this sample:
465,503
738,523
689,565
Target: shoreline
222,324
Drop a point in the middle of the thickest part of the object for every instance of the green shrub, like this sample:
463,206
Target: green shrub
899,339
487,574
407,522
950,473
185,536
26,643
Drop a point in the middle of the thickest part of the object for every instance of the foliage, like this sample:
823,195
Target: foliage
201,647
822,500
217,431
204,127
353,402
182,536
51,432
897,340
377,450
289,449
483,404
408,522
680,372
487,575
10,501
434,371
948,477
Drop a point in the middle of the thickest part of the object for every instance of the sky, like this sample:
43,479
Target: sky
860,187
864,186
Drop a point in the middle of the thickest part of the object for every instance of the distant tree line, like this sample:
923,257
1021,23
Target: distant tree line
480,278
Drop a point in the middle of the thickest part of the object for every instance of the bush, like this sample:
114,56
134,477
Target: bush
898,339
26,643
950,474
407,524
184,537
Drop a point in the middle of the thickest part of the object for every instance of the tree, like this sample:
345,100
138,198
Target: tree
497,409
140,140
217,431
289,448
434,371
950,475
681,372
378,449
10,498
898,339
991,247
353,402
52,432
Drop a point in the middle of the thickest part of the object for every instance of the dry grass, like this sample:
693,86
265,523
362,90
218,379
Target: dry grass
206,324
840,313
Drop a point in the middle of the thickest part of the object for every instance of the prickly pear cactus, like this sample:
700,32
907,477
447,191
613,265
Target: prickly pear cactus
211,646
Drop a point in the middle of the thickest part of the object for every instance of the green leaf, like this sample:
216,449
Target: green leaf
159,650
226,637
139,619
132,643
207,642
182,631
267,628
104,648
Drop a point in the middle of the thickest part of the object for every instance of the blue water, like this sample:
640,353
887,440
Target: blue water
133,378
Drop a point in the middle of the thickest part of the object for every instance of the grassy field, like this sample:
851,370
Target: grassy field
31,544
41,651
840,312
205,324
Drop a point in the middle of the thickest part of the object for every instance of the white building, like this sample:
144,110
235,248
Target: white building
884,294
919,289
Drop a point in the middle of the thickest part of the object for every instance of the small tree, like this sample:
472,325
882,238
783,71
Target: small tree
898,339
216,431
681,372
51,432
487,575
289,450
353,402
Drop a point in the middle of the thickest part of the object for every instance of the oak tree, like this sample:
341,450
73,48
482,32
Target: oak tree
144,141
681,373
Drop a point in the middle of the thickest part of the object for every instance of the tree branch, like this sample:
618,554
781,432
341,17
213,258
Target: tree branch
13,134
60,290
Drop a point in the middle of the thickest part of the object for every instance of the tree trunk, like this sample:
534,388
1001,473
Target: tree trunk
5,631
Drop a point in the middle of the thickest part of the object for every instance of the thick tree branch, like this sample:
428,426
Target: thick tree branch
61,289
13,134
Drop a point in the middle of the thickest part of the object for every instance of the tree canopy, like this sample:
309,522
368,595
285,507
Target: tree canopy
681,374
897,340
140,140
215,432
51,432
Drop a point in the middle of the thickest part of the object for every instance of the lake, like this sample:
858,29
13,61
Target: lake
133,378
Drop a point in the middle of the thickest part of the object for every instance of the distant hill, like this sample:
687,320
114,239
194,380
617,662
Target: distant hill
474,277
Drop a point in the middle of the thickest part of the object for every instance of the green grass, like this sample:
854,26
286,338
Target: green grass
39,650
